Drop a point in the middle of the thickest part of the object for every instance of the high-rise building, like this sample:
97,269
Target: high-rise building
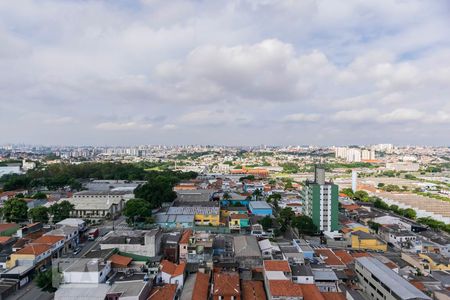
321,201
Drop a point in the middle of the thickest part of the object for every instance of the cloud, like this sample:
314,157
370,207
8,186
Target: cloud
222,66
169,126
301,117
60,120
113,126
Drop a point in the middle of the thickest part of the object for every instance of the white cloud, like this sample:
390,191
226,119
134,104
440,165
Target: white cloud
169,126
60,120
401,115
301,117
225,64
123,126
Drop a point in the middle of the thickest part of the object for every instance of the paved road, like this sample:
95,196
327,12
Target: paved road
31,292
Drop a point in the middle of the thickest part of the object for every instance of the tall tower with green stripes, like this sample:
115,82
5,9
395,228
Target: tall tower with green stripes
321,201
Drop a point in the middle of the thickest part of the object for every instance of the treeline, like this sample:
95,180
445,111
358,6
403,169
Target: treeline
57,176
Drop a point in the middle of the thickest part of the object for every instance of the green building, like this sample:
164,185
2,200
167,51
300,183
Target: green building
321,202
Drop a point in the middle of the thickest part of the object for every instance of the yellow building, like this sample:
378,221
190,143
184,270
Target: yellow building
36,253
365,241
201,219
436,262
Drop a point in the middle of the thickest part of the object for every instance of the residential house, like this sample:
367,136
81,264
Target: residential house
366,241
55,242
125,286
31,255
183,244
146,243
246,251
325,279
70,234
226,286
260,208
86,271
196,287
171,273
253,290
165,292
238,222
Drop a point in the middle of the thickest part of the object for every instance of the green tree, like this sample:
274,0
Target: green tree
137,210
40,195
226,196
380,185
266,222
39,214
44,281
361,196
304,224
410,213
257,194
61,210
285,218
275,200
394,208
381,204
15,210
348,192
157,191
374,226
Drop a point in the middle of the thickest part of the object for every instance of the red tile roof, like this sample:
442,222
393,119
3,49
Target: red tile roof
226,284
171,268
5,239
360,254
48,239
285,288
201,287
311,292
238,216
334,296
344,256
34,249
165,292
253,290
185,237
329,257
119,261
277,265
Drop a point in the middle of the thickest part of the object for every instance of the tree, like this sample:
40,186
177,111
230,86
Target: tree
304,225
157,191
374,226
44,281
266,222
39,214
137,210
361,196
285,218
381,204
274,199
40,195
380,185
15,210
394,208
348,192
61,210
257,194
410,213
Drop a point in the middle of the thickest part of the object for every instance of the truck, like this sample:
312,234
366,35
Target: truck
93,234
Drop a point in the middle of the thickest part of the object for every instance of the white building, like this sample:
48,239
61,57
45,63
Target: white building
87,271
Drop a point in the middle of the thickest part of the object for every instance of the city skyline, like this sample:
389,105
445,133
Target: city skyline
224,72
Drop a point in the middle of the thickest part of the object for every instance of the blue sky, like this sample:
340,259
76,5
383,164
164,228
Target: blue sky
225,72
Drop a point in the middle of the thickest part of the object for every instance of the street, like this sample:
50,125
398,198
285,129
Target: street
31,292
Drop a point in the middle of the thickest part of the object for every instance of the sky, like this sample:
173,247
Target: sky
228,72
